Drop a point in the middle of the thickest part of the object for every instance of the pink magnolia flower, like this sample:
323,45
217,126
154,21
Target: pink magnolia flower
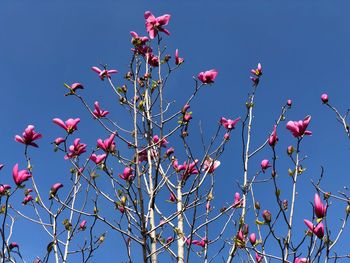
258,257
76,149
72,88
273,137
267,216
324,98
104,73
169,240
208,77
98,112
20,176
97,159
228,123
210,165
298,128
169,151
107,145
29,136
187,117
240,236
137,40
152,59
4,188
264,165
172,197
237,200
163,142
156,24
190,169
69,125
318,230
201,242
300,260
54,189
127,174
258,71
27,199
252,239
289,103
58,140
178,60
82,225
320,208
13,245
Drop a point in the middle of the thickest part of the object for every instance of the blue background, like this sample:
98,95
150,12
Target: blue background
303,47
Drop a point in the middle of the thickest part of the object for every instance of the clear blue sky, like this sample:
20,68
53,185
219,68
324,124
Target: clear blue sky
303,47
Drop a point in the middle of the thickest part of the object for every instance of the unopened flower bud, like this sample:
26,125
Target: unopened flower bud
257,205
324,98
290,150
227,136
285,204
252,239
267,216
289,103
167,58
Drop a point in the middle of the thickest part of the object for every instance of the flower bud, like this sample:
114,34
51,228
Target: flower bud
290,150
289,103
252,239
285,204
324,98
267,216
245,229
257,205
227,136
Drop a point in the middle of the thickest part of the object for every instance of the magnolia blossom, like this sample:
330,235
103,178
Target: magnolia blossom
258,71
237,200
27,199
13,245
273,137
208,77
324,98
210,165
156,24
137,40
172,197
69,125
152,59
127,174
318,230
188,169
169,151
82,225
97,159
107,145
252,239
58,140
267,216
300,260
4,188
20,176
178,60
228,123
76,149
258,257
320,208
298,128
201,242
72,88
264,165
104,73
255,81
98,112
163,142
54,189
29,136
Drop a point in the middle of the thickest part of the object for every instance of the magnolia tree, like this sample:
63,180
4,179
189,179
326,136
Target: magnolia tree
123,191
